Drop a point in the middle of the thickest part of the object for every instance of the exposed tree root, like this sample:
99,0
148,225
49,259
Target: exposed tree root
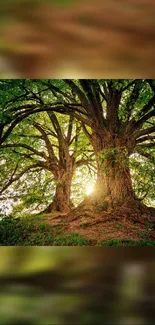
132,210
131,220
52,208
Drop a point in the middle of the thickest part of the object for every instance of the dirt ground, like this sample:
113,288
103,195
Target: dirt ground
99,229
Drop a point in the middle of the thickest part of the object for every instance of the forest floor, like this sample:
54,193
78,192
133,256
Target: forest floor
57,230
102,228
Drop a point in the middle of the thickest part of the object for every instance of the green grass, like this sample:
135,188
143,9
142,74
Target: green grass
34,231
28,231
125,243
119,226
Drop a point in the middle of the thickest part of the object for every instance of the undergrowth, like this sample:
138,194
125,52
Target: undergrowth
28,231
34,231
116,242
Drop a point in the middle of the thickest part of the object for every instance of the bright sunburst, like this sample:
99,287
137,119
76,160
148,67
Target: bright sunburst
89,188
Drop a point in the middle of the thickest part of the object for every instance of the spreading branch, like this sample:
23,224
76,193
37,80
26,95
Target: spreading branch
25,146
17,177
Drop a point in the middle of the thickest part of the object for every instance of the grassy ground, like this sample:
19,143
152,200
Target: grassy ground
35,231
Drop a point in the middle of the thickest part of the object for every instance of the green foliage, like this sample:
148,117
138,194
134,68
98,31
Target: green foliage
32,231
84,225
71,240
144,235
14,231
144,242
143,178
149,225
119,226
113,154
113,157
36,188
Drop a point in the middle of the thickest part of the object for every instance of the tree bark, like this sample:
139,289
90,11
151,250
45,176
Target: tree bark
113,173
61,202
114,180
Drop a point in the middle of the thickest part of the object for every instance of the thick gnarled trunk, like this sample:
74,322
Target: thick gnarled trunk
113,174
113,187
114,180
62,202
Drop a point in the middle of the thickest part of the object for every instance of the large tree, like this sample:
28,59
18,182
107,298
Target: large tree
46,141
120,123
118,118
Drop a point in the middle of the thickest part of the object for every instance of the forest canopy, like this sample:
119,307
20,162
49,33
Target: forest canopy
63,139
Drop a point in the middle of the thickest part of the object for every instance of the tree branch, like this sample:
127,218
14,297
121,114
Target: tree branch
47,141
145,131
80,94
14,179
145,154
131,83
21,145
151,84
147,145
138,84
70,129
148,106
146,138
146,117
57,90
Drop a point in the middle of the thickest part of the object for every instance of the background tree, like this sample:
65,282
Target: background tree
42,150
47,142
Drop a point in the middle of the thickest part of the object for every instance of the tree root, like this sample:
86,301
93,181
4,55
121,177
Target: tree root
132,210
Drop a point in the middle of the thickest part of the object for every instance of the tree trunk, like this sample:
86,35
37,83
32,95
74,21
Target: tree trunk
62,202
113,174
114,180
113,192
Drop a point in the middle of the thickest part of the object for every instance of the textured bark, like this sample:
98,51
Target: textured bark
61,201
113,192
62,196
113,174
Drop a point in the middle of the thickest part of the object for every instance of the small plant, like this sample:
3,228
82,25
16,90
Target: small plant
99,243
144,235
71,240
84,225
113,243
149,225
43,227
119,226
37,239
27,231
125,243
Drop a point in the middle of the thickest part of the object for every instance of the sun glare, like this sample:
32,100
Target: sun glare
89,188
